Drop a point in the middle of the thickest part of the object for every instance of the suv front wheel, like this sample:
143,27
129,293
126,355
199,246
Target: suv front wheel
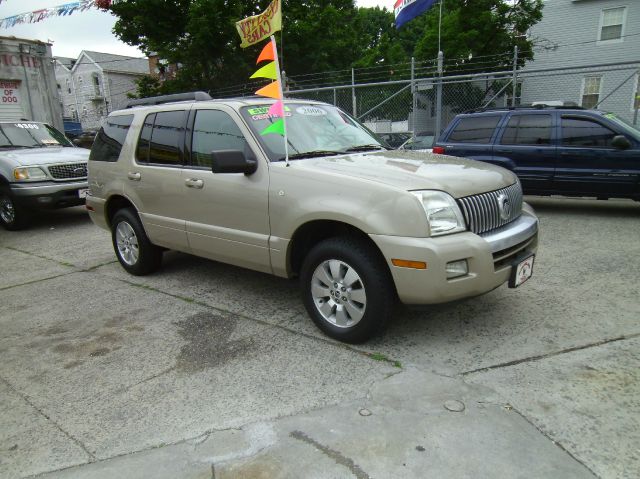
12,216
132,246
347,289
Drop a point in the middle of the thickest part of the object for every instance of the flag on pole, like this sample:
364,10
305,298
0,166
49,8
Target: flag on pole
271,71
254,29
406,10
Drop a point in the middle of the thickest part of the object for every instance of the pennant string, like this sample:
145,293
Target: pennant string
57,11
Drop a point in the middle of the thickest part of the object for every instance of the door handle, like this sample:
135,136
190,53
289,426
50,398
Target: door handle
503,150
194,183
134,176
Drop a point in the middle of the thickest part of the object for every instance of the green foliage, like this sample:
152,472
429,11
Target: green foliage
319,36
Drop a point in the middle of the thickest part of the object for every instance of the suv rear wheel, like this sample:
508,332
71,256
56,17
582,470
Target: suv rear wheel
347,289
132,246
12,216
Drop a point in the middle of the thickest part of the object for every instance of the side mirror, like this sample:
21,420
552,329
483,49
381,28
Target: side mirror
232,161
77,142
621,142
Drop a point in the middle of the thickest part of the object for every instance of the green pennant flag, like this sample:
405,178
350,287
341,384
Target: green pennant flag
277,127
267,71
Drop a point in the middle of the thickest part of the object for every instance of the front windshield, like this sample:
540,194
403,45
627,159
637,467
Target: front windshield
312,130
627,127
30,135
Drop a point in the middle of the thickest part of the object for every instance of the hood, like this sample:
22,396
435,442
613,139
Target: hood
45,156
415,170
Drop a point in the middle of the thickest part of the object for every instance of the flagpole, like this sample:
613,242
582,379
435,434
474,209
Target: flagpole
284,121
440,27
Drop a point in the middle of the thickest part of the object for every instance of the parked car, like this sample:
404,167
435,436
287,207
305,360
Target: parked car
359,224
85,139
39,169
395,140
422,141
553,150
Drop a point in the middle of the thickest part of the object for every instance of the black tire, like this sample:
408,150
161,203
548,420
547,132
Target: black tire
148,258
12,216
374,280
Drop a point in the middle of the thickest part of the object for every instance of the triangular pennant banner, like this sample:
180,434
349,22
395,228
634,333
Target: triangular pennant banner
277,109
267,71
277,127
267,53
272,90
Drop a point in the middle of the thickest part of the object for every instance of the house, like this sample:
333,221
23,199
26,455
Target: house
27,82
593,48
95,84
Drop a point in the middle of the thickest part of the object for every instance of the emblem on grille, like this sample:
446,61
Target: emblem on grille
78,170
504,206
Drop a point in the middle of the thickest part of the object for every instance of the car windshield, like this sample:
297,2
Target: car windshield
312,130
627,127
30,135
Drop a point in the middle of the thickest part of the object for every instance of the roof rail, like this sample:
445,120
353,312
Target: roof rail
535,106
158,100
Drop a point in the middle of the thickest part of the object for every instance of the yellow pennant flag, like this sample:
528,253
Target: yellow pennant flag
254,29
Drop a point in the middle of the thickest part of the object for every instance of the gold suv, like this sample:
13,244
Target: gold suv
361,225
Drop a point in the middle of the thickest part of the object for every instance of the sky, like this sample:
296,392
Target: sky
90,30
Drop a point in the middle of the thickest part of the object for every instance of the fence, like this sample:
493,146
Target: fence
421,101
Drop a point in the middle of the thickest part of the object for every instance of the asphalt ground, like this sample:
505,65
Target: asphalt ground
207,370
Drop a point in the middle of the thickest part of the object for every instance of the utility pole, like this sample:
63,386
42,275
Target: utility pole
515,75
353,93
414,92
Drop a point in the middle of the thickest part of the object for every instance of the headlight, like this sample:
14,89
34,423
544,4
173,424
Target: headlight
443,214
32,173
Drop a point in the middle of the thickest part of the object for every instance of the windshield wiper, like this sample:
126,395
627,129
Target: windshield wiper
354,149
311,154
18,146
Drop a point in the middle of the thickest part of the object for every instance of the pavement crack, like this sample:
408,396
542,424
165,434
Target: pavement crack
551,355
556,443
337,456
25,398
62,263
5,288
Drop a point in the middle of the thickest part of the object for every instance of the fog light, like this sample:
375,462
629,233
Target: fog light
455,269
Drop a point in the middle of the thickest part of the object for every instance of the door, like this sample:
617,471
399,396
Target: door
589,165
472,137
154,179
527,144
227,214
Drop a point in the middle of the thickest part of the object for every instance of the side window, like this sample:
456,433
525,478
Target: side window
585,133
478,129
142,151
110,138
527,130
214,130
166,138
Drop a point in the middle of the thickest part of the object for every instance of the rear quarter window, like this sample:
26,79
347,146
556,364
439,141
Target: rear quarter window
110,138
477,129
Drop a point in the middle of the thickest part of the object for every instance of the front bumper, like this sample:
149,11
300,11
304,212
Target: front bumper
489,257
48,194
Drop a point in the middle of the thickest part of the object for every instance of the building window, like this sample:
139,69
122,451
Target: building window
591,91
85,112
612,24
80,80
68,86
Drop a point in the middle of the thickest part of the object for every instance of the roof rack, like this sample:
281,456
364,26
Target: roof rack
531,106
158,100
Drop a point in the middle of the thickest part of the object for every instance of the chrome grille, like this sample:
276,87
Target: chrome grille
482,212
69,170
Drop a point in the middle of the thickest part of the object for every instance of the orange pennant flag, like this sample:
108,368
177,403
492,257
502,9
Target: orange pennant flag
272,90
267,53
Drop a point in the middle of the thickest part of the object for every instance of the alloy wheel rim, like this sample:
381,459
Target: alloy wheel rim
127,243
338,293
7,210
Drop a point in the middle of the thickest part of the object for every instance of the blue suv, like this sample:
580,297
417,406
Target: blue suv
553,150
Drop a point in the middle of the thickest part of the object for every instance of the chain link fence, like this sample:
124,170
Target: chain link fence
420,102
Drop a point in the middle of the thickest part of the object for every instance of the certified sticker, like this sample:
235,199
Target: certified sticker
311,111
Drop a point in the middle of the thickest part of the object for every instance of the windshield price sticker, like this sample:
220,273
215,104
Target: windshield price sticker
27,126
262,113
50,141
311,111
